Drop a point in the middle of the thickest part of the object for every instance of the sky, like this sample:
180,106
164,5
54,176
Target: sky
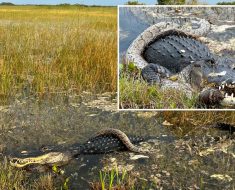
92,2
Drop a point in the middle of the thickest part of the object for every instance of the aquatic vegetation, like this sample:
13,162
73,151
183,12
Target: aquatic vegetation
114,180
45,182
56,49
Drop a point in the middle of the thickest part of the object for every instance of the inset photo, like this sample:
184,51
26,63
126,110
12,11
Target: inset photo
176,57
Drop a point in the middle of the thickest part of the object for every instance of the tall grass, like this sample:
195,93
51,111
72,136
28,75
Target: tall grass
51,49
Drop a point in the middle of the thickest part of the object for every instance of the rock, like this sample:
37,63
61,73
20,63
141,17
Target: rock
222,177
136,157
166,123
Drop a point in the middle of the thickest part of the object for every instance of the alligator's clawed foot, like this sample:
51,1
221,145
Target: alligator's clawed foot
153,73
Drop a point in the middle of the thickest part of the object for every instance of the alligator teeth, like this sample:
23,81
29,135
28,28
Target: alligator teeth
219,87
229,96
228,101
222,86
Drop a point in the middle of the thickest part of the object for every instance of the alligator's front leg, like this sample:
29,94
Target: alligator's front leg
153,73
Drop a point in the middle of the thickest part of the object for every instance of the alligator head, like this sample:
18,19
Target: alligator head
218,74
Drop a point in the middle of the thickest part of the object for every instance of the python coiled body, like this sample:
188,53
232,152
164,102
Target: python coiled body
107,140
123,138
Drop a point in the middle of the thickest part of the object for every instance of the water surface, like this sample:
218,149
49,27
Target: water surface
29,124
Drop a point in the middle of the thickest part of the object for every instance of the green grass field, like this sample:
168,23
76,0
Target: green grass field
52,49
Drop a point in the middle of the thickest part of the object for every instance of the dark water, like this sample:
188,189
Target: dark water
129,28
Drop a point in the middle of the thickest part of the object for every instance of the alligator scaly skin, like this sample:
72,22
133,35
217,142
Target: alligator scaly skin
176,50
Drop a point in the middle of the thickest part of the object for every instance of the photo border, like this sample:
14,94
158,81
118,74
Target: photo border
118,59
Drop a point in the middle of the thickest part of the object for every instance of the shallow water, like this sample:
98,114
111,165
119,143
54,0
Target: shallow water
61,121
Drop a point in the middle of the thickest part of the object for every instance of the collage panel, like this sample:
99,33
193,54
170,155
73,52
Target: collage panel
74,108
176,57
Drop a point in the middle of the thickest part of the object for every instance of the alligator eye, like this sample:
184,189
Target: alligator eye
14,160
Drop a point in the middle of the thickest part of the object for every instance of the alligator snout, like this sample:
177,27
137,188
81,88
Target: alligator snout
215,82
226,88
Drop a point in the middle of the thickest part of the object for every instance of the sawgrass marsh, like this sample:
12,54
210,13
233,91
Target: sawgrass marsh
54,49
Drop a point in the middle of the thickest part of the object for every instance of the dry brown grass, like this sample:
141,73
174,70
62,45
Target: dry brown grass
198,118
53,49
45,182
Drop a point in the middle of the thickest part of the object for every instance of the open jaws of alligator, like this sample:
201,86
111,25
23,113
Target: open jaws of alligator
219,94
229,91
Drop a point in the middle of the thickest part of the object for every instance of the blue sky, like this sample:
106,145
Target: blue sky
92,2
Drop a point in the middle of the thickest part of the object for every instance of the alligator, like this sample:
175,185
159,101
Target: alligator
106,141
170,53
